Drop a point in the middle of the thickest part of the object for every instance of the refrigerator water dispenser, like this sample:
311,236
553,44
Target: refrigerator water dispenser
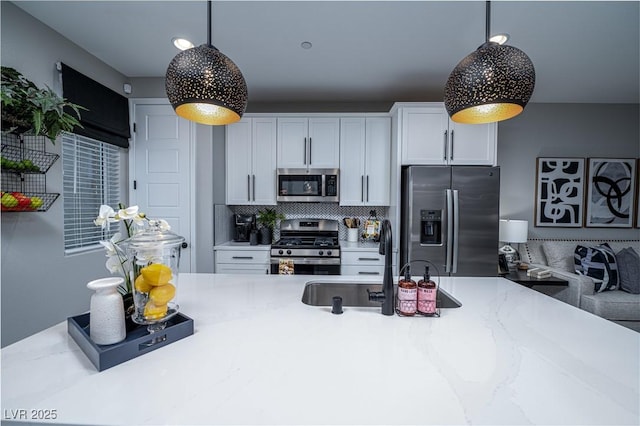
431,227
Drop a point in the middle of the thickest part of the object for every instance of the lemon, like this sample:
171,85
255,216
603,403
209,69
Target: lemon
141,285
153,311
156,274
161,294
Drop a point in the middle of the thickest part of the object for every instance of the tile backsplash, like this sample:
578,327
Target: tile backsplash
318,211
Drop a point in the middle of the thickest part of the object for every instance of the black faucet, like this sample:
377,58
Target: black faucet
386,296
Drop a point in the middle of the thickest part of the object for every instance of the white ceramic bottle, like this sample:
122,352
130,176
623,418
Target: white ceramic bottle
106,315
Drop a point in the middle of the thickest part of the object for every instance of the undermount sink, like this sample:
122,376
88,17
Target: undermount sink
318,293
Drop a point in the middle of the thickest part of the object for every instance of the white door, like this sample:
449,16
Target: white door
473,144
264,161
424,140
162,169
352,159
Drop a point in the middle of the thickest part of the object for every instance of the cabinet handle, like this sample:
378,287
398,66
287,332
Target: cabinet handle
310,150
362,188
253,188
242,257
304,159
370,259
445,145
368,273
451,153
367,188
248,187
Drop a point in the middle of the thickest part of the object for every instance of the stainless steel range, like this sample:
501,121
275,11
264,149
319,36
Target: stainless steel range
310,244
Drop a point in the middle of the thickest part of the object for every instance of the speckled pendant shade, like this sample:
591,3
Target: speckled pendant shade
205,86
494,83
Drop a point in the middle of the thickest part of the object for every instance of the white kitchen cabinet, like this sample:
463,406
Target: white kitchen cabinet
428,136
365,167
308,142
362,262
245,261
251,161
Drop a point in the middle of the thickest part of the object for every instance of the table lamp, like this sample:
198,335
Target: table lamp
510,232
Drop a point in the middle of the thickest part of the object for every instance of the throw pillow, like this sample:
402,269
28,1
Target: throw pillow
558,254
629,270
598,263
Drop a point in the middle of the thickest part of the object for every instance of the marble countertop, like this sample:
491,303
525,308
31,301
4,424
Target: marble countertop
258,355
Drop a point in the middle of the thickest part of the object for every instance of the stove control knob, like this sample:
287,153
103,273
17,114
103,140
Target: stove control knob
329,253
280,251
288,251
320,253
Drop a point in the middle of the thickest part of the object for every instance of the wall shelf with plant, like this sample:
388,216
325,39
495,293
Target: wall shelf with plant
30,116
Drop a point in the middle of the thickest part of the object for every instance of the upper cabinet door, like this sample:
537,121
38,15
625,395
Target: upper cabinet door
352,159
293,134
264,161
324,143
238,162
378,161
424,135
473,144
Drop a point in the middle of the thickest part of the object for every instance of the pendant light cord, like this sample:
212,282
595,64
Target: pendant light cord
209,23
488,22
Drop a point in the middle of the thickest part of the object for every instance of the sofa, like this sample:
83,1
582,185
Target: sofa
557,255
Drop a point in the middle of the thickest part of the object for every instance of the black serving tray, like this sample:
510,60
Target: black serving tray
138,341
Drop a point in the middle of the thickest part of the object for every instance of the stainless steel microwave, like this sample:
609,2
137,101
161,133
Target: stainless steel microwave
308,185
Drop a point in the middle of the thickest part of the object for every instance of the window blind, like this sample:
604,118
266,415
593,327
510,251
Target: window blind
91,175
107,115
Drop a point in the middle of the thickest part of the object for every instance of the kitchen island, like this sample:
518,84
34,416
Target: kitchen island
259,355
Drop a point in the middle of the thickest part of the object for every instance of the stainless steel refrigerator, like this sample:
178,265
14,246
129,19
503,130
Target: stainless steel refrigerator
450,217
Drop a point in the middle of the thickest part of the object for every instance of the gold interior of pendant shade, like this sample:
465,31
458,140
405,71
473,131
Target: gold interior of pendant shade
205,113
488,113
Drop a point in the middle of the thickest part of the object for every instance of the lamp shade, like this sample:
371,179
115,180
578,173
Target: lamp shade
513,231
205,86
494,83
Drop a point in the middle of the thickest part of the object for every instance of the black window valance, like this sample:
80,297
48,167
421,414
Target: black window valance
107,115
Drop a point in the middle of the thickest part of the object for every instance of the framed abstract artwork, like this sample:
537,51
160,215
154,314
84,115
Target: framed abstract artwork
559,192
611,192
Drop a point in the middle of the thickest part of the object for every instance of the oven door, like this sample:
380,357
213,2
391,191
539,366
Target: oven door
307,266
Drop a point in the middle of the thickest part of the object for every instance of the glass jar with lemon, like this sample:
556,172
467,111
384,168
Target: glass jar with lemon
155,256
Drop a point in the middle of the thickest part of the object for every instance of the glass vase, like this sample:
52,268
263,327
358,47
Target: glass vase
155,259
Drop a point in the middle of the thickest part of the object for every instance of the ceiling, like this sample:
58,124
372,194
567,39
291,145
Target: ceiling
365,51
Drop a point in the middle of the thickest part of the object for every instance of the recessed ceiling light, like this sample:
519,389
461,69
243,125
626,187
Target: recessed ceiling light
182,43
306,45
500,38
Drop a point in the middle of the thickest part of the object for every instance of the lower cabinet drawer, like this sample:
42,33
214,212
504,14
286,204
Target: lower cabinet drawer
243,256
362,258
231,268
361,270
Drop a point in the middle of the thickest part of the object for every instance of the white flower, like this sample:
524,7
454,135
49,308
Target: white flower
114,265
106,215
128,213
110,246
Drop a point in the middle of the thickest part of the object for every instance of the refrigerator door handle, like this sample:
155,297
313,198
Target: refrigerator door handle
456,231
450,237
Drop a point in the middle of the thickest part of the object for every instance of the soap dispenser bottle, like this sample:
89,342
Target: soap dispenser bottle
407,294
426,294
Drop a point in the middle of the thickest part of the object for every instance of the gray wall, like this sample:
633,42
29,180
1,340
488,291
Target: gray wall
40,285
561,130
